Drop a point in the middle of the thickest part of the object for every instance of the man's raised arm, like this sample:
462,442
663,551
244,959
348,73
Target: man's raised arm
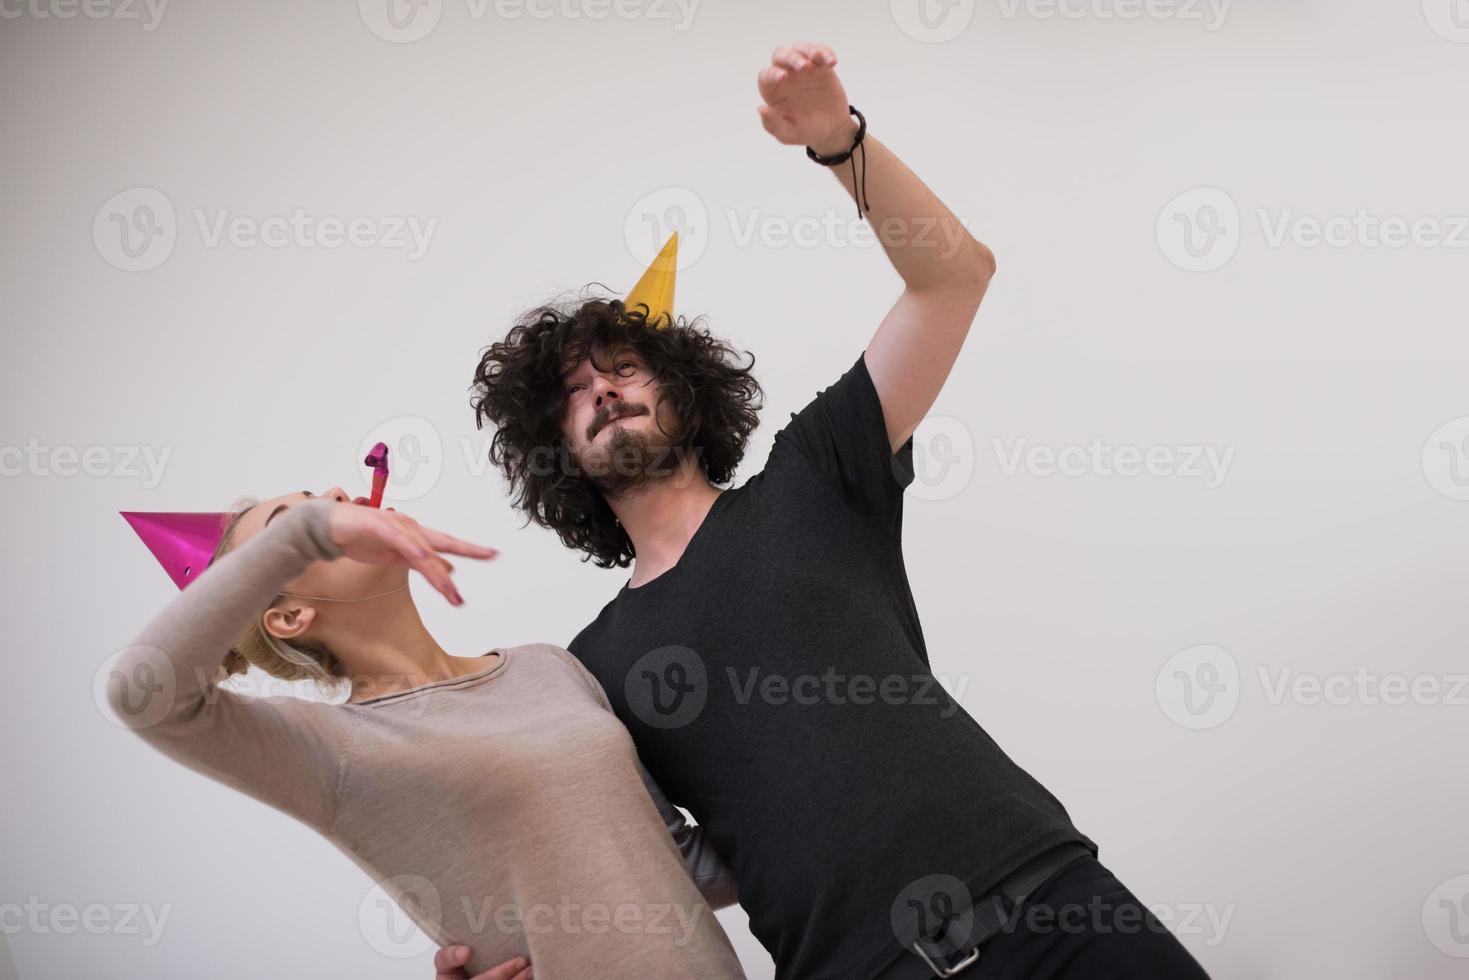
945,270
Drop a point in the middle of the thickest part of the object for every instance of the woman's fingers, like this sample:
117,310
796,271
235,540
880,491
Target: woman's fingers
437,569
408,538
458,546
388,536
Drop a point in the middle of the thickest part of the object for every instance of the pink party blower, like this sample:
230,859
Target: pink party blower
378,460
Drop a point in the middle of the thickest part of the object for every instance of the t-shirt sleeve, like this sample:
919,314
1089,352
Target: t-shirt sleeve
843,435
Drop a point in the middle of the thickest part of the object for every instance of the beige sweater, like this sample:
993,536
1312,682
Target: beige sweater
506,809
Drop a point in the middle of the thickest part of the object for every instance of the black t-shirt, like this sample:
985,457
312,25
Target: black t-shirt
777,685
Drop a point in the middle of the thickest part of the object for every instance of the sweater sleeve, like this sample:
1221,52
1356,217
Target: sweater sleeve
283,751
714,879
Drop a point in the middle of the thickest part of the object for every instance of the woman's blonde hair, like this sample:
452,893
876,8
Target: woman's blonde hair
287,660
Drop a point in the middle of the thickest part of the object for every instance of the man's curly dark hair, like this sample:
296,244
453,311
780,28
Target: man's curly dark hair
518,389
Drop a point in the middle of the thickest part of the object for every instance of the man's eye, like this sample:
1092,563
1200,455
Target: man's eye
574,389
626,367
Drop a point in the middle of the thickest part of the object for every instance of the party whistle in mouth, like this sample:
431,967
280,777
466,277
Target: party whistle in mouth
378,460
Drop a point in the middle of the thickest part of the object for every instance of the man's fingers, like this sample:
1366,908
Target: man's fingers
789,59
447,962
775,124
770,79
818,54
516,969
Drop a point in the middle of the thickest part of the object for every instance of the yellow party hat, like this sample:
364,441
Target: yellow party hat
655,289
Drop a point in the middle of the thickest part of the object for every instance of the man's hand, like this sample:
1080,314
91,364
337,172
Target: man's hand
449,965
805,104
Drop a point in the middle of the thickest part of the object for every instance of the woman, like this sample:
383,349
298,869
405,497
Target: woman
496,798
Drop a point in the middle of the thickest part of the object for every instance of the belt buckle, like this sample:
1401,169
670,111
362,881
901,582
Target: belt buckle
989,919
948,971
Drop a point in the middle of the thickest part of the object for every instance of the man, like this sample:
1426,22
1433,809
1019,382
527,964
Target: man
766,653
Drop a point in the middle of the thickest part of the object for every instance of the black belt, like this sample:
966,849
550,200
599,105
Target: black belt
992,909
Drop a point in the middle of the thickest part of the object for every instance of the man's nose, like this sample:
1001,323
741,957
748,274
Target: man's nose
337,494
606,392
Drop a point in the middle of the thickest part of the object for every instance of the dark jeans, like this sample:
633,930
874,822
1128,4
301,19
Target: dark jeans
1081,924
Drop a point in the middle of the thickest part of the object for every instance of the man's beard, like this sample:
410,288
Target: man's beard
631,460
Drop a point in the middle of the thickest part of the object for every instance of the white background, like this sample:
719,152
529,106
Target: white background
1330,834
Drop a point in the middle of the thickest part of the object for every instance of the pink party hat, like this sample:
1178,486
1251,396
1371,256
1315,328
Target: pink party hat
183,542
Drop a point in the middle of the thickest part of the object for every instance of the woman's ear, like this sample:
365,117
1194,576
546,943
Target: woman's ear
286,622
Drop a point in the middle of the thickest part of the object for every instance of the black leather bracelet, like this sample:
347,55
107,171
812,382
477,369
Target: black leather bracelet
839,158
844,156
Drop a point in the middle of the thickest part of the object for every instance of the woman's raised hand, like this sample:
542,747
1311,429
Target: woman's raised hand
384,537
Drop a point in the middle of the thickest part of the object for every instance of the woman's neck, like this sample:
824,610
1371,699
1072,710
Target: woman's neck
384,648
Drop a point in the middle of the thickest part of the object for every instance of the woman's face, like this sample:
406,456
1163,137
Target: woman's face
340,579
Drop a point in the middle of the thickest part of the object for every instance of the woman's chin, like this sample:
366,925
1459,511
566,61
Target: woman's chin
362,579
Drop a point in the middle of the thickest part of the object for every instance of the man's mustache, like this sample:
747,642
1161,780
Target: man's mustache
612,414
